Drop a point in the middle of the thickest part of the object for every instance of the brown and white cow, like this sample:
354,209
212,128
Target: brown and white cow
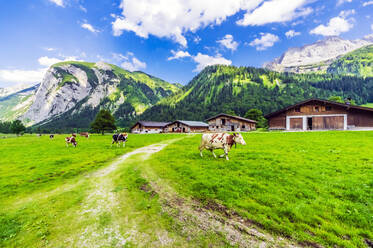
84,134
225,141
71,140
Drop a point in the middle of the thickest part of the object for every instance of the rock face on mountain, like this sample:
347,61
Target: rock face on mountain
80,87
317,56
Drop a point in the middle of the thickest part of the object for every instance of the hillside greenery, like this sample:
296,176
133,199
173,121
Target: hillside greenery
227,88
358,62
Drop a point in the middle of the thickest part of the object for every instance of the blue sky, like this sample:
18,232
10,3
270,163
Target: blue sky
170,39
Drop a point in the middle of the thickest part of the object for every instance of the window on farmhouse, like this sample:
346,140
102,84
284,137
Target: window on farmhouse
223,121
316,109
297,109
243,126
328,108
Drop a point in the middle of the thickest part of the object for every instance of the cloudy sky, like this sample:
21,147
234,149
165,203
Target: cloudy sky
170,39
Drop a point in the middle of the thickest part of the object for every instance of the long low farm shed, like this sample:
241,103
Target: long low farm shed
317,114
224,122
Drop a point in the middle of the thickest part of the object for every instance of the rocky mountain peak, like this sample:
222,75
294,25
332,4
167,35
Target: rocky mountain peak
316,56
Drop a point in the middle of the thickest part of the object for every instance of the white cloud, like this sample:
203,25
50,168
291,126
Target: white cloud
179,54
81,7
22,76
371,27
58,2
340,2
129,61
49,49
46,61
204,60
347,13
291,33
266,40
228,42
276,11
367,3
172,18
336,26
134,65
197,39
89,27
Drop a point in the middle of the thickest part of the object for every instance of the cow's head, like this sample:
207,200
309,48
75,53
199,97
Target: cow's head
237,137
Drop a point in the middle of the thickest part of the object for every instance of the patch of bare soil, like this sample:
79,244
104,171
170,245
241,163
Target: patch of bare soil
197,218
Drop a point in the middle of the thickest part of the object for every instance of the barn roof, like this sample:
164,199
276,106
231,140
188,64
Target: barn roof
191,123
233,117
151,124
347,106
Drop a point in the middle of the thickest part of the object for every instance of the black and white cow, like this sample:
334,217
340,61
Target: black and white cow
119,138
51,136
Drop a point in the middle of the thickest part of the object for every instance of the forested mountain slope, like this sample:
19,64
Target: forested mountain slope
227,88
358,62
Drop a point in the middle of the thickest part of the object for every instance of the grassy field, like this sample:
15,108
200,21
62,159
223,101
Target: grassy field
41,181
312,188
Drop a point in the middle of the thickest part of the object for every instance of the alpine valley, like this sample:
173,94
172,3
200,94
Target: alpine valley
72,93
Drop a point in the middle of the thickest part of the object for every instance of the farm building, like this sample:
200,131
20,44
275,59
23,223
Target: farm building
186,127
148,127
225,122
317,114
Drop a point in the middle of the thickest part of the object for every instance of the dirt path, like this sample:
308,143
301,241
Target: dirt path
103,201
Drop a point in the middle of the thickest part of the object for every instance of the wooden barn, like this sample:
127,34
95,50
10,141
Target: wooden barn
225,122
148,127
317,114
186,127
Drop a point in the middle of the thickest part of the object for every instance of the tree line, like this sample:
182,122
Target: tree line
15,127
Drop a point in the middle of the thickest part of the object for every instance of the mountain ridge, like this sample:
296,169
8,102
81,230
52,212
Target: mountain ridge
316,57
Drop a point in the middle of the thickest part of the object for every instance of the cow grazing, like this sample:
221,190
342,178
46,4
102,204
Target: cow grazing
71,140
51,136
73,135
225,141
119,138
84,134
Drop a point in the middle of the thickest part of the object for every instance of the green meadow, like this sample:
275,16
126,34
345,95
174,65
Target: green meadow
312,188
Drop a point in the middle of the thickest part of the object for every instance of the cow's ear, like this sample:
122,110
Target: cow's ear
234,134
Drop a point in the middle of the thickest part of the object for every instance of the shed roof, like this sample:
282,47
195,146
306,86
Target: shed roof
191,123
151,124
233,117
347,106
